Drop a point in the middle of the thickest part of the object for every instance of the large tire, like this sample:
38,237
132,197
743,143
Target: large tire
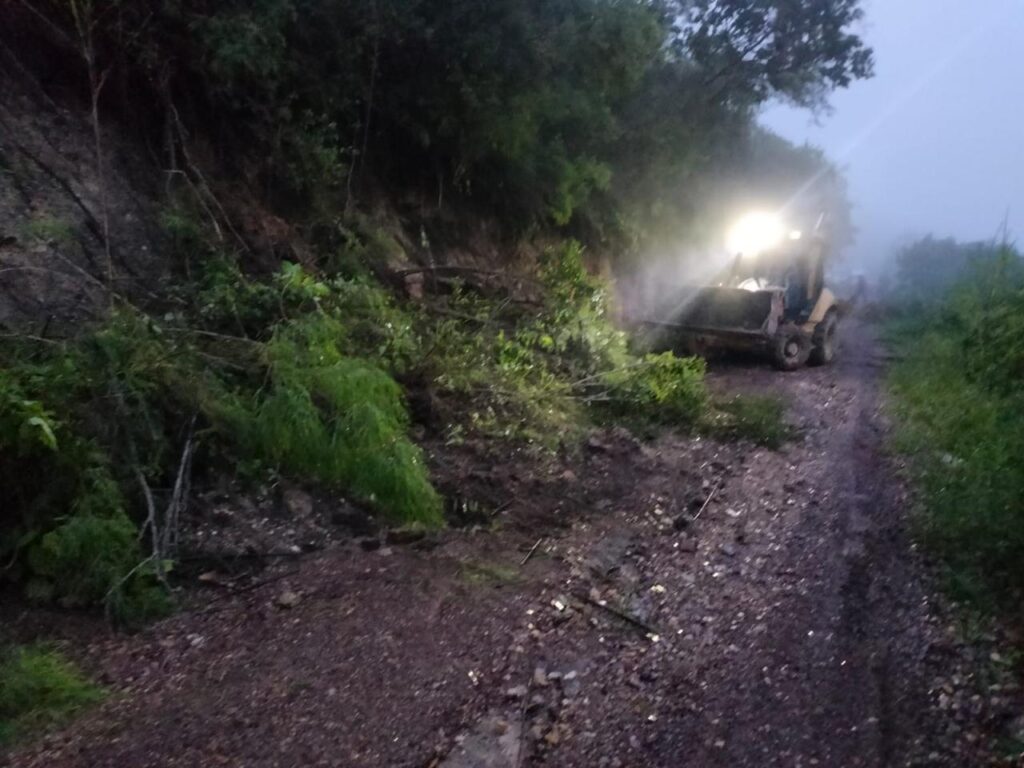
790,348
824,349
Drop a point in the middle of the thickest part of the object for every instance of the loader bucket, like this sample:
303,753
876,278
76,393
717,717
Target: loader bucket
723,318
727,309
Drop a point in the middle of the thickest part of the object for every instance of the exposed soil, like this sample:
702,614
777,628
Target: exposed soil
689,603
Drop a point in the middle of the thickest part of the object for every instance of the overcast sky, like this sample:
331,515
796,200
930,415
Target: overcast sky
935,142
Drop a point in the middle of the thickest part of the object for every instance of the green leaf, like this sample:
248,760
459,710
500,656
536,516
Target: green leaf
46,435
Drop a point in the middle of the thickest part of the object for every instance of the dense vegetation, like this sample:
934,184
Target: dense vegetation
958,324
610,124
602,116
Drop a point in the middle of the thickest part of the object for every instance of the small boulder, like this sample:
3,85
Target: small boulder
297,502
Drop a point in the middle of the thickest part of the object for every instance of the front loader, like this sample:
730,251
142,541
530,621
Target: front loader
771,299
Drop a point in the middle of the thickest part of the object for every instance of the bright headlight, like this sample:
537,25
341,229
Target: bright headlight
755,233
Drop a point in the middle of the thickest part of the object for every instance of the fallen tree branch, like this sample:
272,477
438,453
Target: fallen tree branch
468,270
529,554
214,335
458,315
620,614
226,556
707,501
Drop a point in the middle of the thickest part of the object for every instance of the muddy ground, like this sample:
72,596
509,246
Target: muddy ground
689,603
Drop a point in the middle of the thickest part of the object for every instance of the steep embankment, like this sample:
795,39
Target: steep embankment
55,209
687,603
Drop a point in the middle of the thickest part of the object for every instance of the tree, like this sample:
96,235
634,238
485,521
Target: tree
754,49
600,116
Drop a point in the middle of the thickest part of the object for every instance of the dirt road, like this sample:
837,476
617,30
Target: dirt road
689,603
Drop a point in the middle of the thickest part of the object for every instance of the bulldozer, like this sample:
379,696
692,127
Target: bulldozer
770,299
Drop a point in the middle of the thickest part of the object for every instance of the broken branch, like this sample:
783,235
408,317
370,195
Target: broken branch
529,554
626,617
707,501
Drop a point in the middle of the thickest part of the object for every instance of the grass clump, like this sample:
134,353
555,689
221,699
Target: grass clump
761,419
39,689
336,419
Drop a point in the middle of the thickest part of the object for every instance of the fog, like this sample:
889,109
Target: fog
935,142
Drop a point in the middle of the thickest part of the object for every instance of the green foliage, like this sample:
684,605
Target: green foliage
89,560
760,419
296,376
184,234
504,381
48,229
112,398
542,376
228,302
245,45
759,47
332,418
659,388
959,400
25,424
356,313
39,688
530,110
47,470
313,162
576,324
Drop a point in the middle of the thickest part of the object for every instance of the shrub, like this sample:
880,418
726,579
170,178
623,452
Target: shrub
966,445
89,560
376,328
226,301
959,400
119,391
576,323
39,689
84,558
46,469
